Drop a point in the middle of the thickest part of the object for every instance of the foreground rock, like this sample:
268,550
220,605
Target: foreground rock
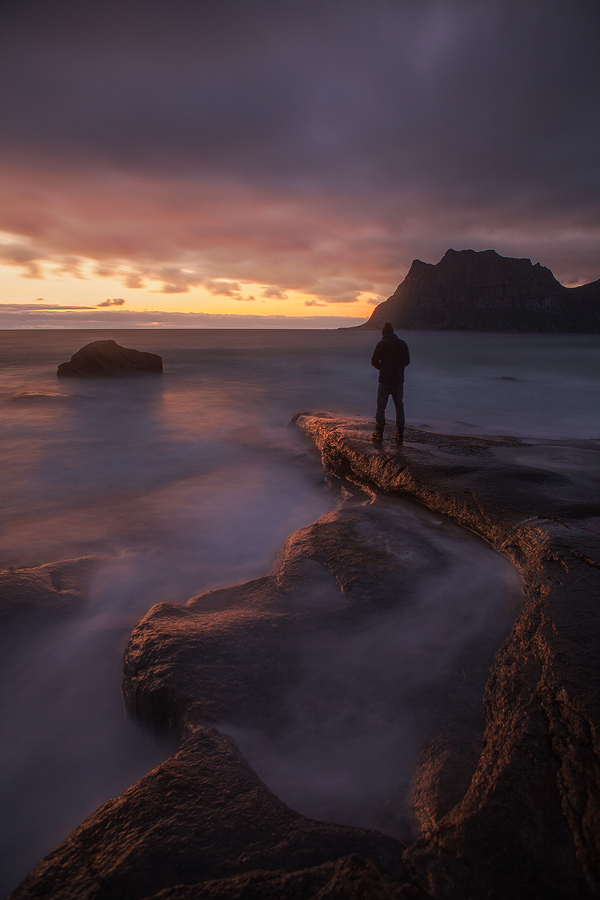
107,358
203,823
484,291
337,650
515,816
529,823
49,590
203,815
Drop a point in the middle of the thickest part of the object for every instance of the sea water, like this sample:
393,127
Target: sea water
191,481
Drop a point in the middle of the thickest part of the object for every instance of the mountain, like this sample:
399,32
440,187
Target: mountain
483,291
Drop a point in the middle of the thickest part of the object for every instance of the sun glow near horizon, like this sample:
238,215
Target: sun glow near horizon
80,290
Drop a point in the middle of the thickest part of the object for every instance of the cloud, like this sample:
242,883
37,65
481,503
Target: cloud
68,265
176,280
179,280
116,301
133,280
298,145
8,308
222,288
103,270
23,255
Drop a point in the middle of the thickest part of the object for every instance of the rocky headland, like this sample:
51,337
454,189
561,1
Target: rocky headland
483,291
109,359
506,795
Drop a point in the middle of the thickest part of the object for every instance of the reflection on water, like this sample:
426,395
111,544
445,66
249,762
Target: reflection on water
189,482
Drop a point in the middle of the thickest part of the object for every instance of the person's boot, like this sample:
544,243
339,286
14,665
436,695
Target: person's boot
399,435
378,433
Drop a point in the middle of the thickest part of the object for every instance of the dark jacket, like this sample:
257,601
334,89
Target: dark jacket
391,357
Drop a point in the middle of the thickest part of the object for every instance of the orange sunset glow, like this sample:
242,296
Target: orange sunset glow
265,163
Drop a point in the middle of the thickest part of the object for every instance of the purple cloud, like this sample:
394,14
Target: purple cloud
297,144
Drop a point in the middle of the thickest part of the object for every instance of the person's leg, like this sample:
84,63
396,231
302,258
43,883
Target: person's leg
398,398
383,394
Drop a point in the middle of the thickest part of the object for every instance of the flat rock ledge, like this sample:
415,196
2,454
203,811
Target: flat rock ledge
529,823
524,817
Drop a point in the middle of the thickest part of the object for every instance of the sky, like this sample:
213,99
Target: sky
250,163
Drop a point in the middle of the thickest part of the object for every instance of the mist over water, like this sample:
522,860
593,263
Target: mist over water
370,697
193,481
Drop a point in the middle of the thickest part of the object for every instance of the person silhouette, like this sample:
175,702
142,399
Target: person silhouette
391,357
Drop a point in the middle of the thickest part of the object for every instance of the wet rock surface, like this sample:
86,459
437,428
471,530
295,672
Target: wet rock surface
506,805
106,359
49,590
529,822
333,671
350,877
201,815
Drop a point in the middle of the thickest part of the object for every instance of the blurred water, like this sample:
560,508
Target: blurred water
192,481
368,698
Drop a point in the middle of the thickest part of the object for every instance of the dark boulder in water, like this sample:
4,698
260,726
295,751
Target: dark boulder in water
107,358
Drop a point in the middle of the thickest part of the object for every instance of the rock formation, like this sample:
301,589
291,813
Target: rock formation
107,358
529,822
483,291
48,590
519,821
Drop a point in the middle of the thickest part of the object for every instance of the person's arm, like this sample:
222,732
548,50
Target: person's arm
376,358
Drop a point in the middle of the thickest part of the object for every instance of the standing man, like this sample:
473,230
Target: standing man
391,357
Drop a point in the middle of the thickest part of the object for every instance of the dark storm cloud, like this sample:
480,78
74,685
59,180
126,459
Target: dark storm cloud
435,123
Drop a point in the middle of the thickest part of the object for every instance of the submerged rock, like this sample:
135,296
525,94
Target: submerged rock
107,358
51,589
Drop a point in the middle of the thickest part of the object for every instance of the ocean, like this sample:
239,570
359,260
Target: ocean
192,481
